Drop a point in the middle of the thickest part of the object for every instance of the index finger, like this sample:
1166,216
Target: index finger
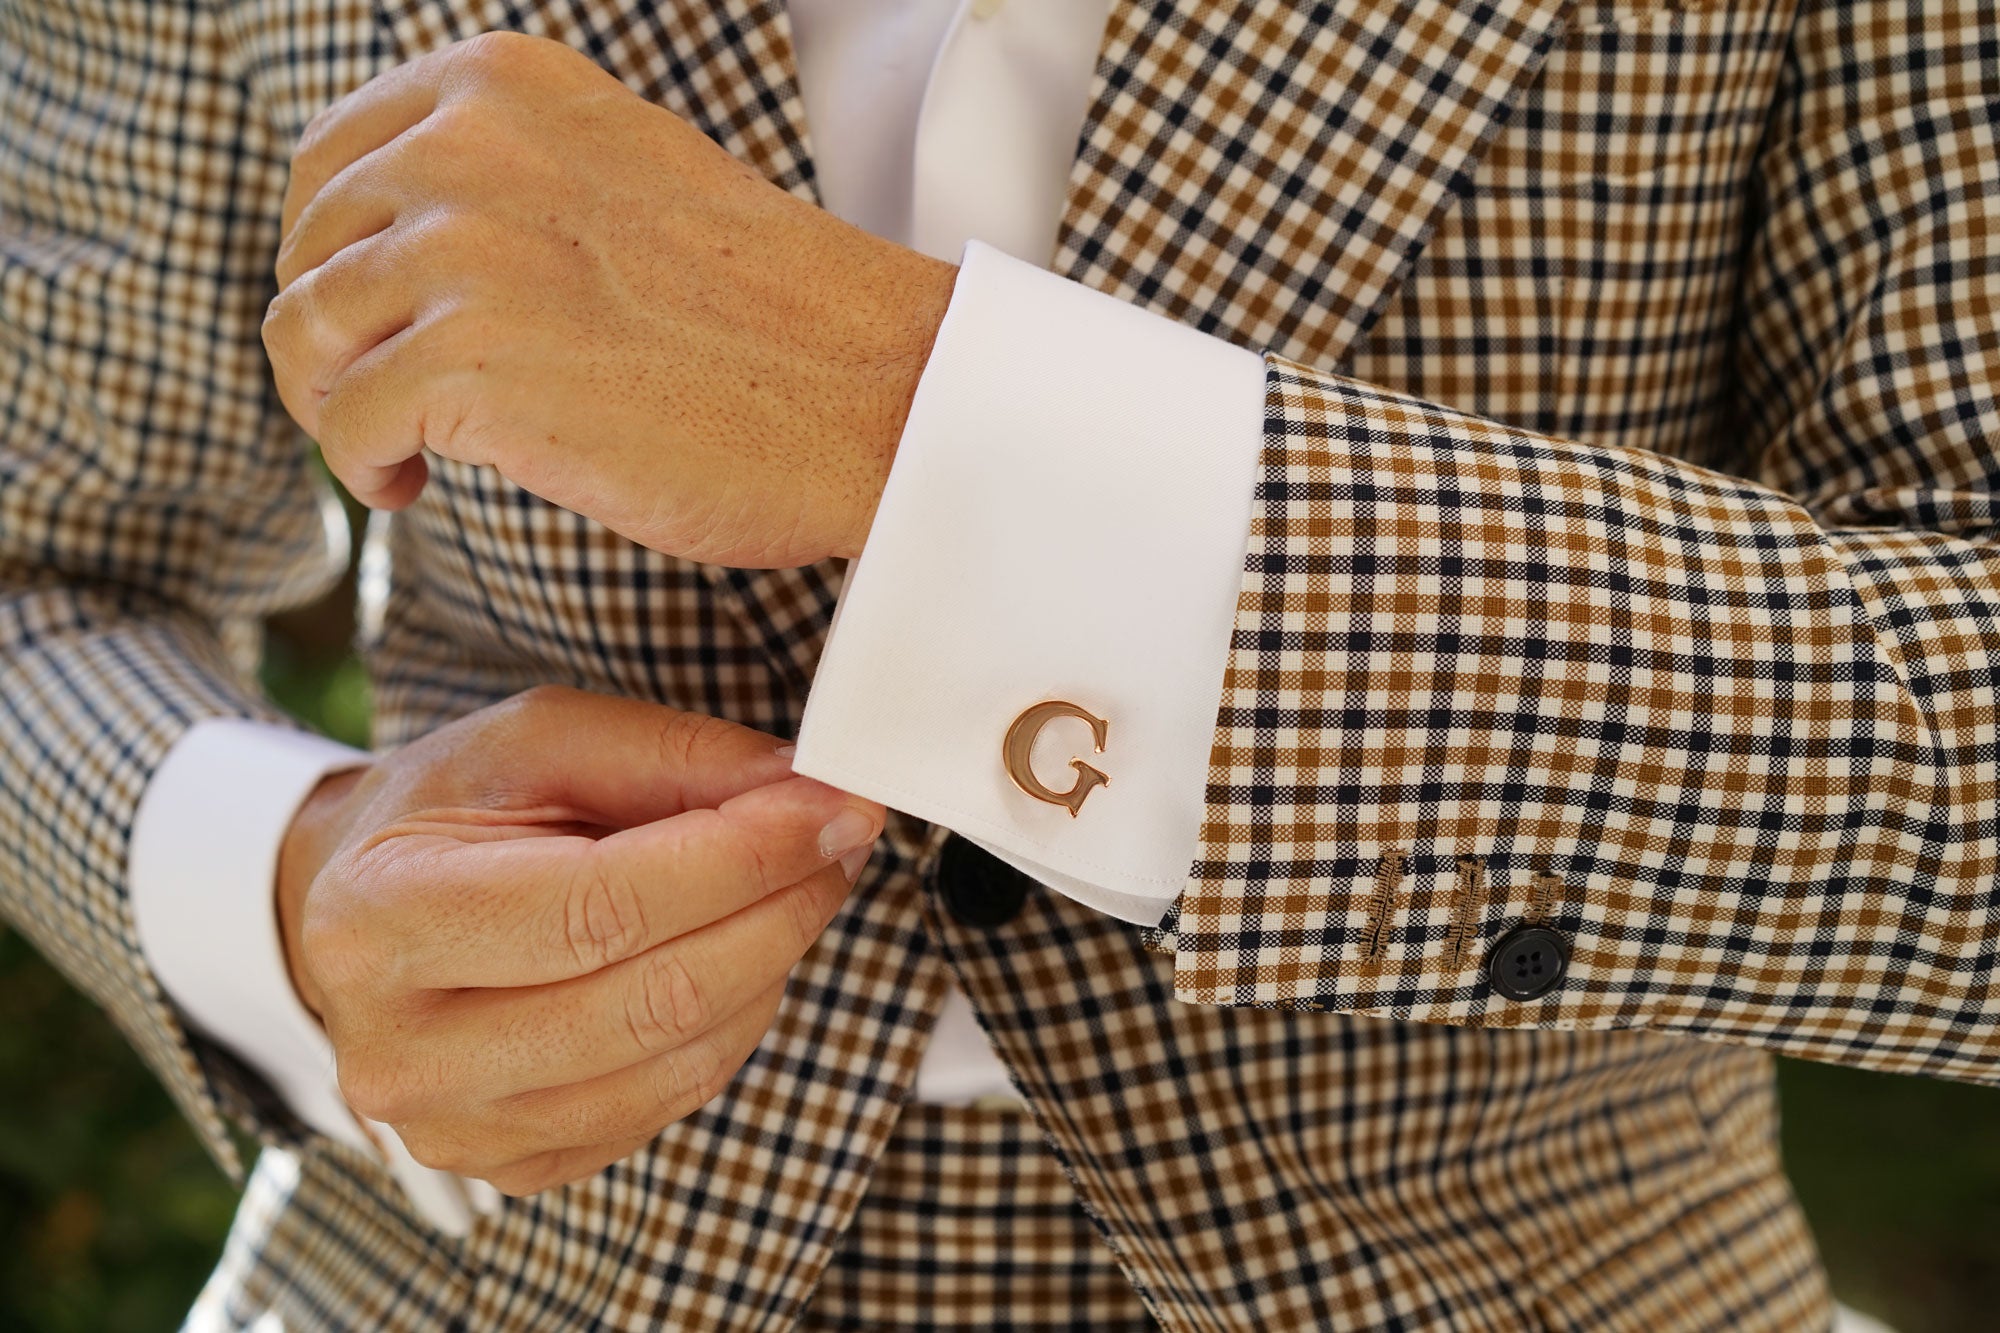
615,761
361,122
528,911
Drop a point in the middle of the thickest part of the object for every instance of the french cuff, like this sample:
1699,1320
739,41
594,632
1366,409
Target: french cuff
202,867
1065,522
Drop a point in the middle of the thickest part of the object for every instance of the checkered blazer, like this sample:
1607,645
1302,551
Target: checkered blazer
1623,562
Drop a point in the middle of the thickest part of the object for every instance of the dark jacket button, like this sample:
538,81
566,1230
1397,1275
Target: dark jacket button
1527,962
978,888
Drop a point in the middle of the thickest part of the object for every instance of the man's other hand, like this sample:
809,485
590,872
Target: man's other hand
541,934
500,253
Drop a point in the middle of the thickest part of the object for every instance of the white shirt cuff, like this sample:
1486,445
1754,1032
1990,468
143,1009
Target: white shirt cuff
1066,520
202,871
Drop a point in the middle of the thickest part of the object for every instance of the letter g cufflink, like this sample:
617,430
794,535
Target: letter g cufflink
1018,749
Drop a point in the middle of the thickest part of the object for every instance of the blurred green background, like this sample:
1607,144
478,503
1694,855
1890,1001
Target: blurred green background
110,1215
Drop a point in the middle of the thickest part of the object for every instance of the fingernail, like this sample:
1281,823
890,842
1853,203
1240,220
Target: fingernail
851,864
785,751
848,830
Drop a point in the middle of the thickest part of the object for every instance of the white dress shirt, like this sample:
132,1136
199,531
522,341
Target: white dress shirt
1066,518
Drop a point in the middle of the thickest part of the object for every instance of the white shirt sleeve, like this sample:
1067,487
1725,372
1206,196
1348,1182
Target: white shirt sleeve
202,870
1066,519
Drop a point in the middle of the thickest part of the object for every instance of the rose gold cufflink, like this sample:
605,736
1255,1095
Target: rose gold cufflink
1018,749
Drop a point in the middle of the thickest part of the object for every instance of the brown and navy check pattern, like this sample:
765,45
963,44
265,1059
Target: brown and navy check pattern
1528,269
970,1226
1737,728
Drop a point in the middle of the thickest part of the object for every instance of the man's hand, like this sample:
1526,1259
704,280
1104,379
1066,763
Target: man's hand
500,253
543,933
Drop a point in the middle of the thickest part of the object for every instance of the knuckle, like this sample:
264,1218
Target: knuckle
805,911
314,138
443,428
387,973
337,947
519,1179
669,1006
712,1078
754,863
376,1089
448,133
541,1172
674,1085
683,736
496,54
451,249
690,1080
335,972
396,1071
604,917
538,699
469,754
564,1119
498,723
440,1152
285,319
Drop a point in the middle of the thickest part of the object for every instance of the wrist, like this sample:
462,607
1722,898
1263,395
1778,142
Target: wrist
920,300
309,842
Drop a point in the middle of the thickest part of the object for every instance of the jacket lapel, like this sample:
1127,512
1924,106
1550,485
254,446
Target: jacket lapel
1266,171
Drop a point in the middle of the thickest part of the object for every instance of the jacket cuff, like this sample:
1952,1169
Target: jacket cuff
202,868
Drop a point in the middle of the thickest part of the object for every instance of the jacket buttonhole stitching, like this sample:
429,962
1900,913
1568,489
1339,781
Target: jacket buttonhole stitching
1468,893
1388,880
1542,901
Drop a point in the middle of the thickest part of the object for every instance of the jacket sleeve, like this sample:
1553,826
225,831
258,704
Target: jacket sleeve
154,500
1731,739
